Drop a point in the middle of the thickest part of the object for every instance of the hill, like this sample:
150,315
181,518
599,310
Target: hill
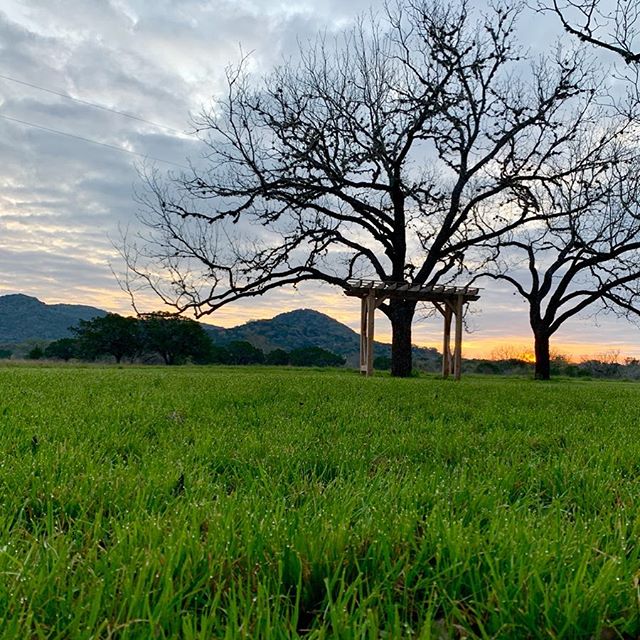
306,328
293,330
24,318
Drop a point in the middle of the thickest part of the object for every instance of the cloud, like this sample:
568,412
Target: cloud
62,199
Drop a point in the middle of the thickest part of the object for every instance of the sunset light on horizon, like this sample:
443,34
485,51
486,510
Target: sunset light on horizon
427,332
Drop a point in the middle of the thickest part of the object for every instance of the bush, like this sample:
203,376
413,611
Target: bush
242,352
315,357
217,355
382,363
63,349
277,357
488,367
37,353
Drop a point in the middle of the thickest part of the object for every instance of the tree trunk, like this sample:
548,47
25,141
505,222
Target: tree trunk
543,359
401,316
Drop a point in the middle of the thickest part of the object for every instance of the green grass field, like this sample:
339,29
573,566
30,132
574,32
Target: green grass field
257,503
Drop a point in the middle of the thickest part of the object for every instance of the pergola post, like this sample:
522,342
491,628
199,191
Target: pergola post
446,342
363,335
457,364
367,319
371,304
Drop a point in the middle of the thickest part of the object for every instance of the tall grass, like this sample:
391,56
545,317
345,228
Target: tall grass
255,503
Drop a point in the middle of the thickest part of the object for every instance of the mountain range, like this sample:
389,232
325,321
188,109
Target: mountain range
25,319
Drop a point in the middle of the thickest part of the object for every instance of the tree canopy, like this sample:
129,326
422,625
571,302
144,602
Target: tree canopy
174,338
112,334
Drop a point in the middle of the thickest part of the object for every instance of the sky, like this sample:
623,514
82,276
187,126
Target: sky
63,200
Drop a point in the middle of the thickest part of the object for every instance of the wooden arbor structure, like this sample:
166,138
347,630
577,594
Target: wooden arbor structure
449,301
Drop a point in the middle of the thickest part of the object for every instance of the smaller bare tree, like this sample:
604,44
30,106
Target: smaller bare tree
585,255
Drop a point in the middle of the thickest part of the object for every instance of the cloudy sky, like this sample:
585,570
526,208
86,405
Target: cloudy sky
62,199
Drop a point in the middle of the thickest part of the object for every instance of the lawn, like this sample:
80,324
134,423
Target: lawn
273,503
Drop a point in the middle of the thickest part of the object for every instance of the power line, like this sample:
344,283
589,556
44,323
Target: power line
92,104
102,144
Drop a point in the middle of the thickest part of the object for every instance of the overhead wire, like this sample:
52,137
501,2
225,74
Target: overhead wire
95,105
97,142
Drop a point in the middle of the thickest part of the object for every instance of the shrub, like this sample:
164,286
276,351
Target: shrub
382,363
243,352
63,349
315,357
37,353
277,357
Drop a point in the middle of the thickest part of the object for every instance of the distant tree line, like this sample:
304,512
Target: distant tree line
171,339
609,366
165,338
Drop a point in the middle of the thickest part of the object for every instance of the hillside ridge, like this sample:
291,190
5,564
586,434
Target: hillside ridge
25,318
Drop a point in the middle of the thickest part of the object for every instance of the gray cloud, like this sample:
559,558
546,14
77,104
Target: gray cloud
62,199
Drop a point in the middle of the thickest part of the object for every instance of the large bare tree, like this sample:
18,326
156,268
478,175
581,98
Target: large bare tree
368,156
584,254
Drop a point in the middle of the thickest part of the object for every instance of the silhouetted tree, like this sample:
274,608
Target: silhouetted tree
112,335
369,156
277,357
62,349
315,357
585,255
612,26
243,352
174,338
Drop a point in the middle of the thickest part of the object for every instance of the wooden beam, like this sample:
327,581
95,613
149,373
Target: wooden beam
438,307
457,365
380,300
363,332
446,343
371,310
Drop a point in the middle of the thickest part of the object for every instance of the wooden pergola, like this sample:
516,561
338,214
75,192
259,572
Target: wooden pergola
448,300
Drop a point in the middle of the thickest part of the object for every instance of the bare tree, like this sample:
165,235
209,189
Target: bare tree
585,253
368,157
613,27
